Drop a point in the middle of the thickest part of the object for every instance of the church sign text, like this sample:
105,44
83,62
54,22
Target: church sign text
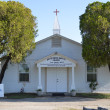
56,61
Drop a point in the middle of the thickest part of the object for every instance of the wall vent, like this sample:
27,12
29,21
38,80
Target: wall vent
56,42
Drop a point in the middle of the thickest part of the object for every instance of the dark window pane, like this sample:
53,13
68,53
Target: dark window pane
89,68
91,77
95,69
24,77
27,77
23,68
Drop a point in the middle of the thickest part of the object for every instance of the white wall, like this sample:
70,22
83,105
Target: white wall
43,49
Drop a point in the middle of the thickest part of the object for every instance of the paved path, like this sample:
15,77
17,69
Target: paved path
52,103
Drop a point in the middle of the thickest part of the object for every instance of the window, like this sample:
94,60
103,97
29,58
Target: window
56,42
23,72
91,74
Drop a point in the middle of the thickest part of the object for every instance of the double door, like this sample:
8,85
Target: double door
57,79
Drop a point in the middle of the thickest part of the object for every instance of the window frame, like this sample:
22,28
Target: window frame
24,73
94,72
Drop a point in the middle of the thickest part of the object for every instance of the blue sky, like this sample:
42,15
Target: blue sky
70,10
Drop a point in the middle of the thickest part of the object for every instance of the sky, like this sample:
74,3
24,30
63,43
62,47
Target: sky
68,16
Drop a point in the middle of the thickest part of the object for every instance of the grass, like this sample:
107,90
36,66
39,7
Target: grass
20,95
33,95
94,95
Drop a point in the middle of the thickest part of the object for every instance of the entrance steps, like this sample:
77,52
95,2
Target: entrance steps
56,94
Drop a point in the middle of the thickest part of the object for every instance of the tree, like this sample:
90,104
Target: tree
17,33
95,31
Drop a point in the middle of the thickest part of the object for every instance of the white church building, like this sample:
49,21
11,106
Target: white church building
55,66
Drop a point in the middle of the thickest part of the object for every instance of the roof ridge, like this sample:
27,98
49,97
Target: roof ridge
42,40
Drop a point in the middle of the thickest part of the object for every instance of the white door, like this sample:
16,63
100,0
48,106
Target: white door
61,80
51,80
56,80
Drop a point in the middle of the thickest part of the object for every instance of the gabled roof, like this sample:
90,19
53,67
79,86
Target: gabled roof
71,60
57,35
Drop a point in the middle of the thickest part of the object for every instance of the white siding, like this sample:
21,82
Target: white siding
43,49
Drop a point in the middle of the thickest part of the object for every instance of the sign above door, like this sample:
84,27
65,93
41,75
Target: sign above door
56,61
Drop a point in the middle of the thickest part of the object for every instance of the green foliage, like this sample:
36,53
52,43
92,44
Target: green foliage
94,95
39,89
73,90
95,31
17,30
20,95
93,85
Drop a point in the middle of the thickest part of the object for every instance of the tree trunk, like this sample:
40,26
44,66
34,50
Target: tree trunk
109,67
4,69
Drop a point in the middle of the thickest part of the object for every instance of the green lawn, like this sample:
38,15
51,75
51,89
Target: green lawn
20,95
94,95
33,95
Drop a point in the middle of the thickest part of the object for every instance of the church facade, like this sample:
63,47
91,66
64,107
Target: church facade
55,65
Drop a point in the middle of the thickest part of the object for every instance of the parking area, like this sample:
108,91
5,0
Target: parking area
52,103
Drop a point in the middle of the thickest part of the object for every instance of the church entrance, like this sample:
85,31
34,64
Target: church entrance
57,79
56,73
